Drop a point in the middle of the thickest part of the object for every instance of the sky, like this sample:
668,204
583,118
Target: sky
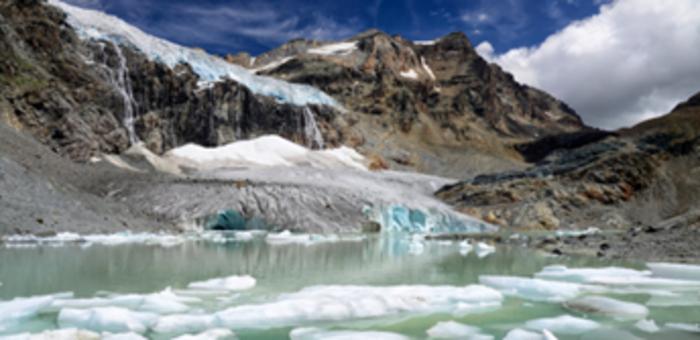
616,62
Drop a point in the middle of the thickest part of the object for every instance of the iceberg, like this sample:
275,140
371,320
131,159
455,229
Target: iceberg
320,334
92,24
564,324
675,271
231,283
107,319
456,330
535,289
22,308
590,275
184,324
686,327
617,309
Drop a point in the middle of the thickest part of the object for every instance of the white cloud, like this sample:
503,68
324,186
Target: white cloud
632,61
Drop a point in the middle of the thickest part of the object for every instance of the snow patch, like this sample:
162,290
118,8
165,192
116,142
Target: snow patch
427,68
265,151
410,74
339,49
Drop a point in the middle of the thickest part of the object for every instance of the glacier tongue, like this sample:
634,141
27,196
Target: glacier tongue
91,24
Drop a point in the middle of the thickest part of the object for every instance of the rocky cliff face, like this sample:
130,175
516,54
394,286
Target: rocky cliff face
636,176
84,97
416,103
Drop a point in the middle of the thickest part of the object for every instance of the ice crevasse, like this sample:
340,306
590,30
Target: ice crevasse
92,24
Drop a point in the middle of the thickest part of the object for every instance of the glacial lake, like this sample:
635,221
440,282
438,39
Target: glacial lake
340,288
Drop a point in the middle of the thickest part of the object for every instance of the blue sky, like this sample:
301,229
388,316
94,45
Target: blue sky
222,27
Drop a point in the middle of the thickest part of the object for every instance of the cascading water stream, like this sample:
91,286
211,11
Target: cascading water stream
312,133
122,83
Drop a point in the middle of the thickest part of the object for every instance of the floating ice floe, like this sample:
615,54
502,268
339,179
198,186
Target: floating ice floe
212,334
334,303
231,283
589,275
287,237
116,239
521,334
61,334
483,250
686,327
264,151
465,247
565,324
648,326
320,334
118,336
92,24
19,309
107,319
675,271
165,302
456,330
536,289
617,309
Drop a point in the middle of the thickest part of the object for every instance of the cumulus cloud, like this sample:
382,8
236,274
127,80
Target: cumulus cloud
634,60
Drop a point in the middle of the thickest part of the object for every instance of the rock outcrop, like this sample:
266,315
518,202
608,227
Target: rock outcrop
637,176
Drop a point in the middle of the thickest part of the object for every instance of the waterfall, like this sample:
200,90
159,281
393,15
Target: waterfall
122,83
312,134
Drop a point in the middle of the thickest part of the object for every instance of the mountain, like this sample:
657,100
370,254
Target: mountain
639,176
414,101
86,83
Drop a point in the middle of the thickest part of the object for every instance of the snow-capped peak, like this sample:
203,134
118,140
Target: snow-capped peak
92,24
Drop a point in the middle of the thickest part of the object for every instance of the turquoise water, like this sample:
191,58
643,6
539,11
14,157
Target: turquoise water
278,269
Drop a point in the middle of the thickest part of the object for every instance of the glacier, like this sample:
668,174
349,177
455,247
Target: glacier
92,24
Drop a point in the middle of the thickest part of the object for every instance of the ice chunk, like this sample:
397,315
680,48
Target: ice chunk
342,48
648,326
107,319
121,336
613,276
320,334
588,275
22,308
564,324
686,327
484,249
165,302
91,24
675,271
609,307
521,334
331,303
465,247
535,289
60,334
264,151
212,334
232,283
182,324
455,330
